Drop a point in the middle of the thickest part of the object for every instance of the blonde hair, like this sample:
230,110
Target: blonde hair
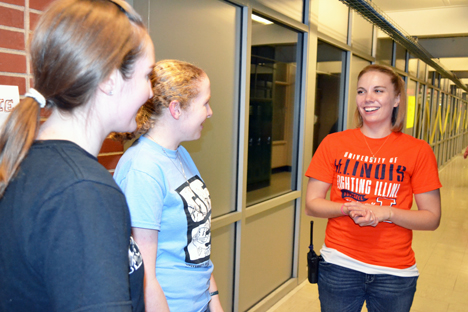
399,112
172,80
76,46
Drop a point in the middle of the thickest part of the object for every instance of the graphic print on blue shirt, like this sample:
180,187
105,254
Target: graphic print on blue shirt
135,259
197,207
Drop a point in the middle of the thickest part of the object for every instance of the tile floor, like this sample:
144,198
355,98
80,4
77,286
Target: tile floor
441,255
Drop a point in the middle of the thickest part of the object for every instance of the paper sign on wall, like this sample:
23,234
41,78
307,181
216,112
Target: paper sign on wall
9,97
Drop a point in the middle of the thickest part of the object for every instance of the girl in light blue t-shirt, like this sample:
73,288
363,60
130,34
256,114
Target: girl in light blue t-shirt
169,203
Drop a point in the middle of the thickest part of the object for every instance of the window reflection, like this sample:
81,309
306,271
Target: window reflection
329,89
271,111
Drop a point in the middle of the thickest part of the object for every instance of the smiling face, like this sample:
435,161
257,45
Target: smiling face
199,110
376,98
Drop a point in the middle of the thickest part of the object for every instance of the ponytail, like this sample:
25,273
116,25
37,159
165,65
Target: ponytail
76,46
16,137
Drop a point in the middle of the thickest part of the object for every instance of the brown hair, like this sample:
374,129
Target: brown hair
172,80
76,45
399,112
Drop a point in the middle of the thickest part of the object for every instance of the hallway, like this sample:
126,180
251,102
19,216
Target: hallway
442,255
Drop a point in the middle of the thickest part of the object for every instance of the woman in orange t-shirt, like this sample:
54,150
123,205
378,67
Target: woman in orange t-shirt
373,171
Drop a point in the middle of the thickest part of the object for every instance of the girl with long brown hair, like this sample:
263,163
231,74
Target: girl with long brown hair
169,202
65,229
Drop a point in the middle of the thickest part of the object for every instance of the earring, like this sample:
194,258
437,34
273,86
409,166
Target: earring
111,92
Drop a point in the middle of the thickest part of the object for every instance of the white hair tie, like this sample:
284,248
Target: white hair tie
33,93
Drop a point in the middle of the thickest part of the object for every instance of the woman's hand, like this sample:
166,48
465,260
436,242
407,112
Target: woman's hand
367,215
147,240
215,304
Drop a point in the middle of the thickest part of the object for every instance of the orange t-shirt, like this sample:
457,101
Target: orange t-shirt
403,166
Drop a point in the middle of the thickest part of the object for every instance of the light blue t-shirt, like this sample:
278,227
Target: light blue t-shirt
161,198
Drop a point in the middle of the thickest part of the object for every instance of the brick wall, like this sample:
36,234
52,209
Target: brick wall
17,20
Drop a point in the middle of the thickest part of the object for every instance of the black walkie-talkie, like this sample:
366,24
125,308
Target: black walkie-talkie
312,258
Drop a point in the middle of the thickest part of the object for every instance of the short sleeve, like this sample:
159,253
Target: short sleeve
81,250
321,166
425,176
145,198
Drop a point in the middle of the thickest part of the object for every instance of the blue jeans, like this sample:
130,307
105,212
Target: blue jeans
345,290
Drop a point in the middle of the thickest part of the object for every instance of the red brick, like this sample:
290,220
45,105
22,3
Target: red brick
14,81
110,146
39,4
11,17
45,113
11,39
16,2
33,19
109,161
12,63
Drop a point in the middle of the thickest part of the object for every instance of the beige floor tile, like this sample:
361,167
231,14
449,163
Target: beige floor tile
461,284
429,305
460,298
430,280
457,307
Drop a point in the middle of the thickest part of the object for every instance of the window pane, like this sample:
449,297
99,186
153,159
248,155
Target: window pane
271,111
413,66
435,78
429,74
419,112
384,51
329,88
400,57
422,71
362,34
434,107
444,105
223,255
444,84
266,260
187,40
427,113
333,19
290,8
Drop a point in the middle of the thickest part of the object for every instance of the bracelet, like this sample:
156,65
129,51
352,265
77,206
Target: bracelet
342,212
214,293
